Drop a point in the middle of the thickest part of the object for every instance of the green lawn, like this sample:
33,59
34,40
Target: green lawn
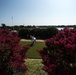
32,53
34,67
34,64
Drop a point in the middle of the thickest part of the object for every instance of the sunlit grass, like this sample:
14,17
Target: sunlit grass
33,62
32,53
35,67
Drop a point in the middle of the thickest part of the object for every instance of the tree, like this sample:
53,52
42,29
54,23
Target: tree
3,25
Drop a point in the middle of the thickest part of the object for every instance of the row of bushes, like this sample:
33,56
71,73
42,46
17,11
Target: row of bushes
38,33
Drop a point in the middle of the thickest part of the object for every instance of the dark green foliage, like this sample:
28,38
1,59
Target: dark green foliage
51,31
24,33
3,25
39,33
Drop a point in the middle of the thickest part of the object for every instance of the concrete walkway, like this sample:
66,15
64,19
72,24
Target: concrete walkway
30,40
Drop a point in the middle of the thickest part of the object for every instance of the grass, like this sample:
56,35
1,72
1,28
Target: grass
34,63
32,53
35,67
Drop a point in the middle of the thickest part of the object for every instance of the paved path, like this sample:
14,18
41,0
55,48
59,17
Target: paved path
30,40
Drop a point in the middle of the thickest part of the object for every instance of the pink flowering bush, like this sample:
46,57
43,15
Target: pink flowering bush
12,55
59,55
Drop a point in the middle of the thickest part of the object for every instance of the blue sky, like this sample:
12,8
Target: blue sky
38,12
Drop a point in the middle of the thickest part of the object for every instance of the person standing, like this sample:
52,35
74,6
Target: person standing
33,39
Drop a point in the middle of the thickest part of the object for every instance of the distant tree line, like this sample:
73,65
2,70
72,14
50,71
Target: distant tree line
17,27
24,32
40,32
